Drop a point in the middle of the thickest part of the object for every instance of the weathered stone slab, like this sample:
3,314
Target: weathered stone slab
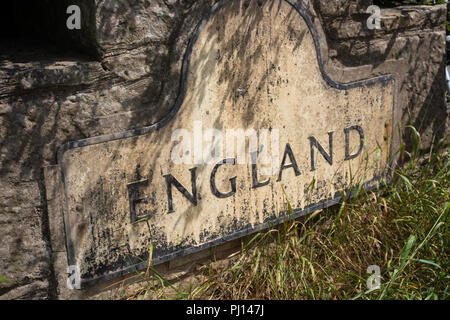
250,66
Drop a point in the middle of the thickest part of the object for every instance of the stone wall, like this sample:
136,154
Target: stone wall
411,44
123,72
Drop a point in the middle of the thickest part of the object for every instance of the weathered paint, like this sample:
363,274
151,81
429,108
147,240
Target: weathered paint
249,65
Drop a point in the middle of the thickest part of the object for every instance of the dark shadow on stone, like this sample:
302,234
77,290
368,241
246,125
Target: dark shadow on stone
29,25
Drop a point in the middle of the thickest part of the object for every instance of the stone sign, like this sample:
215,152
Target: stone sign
257,123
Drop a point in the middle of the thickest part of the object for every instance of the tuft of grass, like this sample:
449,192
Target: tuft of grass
4,279
402,229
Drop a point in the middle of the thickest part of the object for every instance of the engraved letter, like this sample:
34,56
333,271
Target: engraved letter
288,152
170,180
328,157
214,190
349,156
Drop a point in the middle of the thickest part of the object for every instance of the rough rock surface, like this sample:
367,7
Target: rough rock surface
123,73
